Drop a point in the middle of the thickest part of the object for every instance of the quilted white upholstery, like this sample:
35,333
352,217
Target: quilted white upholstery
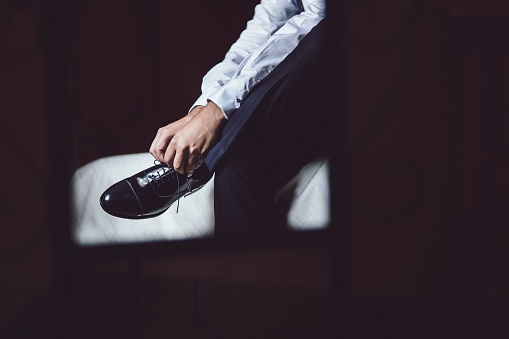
304,200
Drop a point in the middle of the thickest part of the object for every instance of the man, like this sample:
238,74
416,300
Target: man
255,124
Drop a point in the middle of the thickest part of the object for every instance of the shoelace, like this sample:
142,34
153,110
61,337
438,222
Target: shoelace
156,162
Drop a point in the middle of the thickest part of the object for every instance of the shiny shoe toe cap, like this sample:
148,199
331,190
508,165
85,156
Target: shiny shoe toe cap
121,201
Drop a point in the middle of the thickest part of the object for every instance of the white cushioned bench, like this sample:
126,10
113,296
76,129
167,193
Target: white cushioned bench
304,201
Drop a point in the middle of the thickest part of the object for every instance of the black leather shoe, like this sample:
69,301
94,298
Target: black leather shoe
149,193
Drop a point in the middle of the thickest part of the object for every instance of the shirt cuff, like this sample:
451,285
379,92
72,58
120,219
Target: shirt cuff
229,97
201,101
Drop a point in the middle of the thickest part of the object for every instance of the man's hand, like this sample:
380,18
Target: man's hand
183,143
166,133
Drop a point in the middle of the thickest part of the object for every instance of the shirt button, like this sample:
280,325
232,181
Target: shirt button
237,102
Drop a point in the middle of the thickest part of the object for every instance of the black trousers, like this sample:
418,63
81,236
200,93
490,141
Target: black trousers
281,126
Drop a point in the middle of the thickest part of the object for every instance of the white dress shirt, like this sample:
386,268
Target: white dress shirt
274,31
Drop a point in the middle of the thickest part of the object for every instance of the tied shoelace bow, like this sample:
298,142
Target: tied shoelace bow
178,184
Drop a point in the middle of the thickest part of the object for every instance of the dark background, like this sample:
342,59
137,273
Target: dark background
428,150
137,66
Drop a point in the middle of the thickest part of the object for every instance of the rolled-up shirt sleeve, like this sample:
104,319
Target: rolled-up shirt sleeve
272,34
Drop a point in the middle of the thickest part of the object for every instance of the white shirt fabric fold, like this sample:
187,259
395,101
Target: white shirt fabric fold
274,31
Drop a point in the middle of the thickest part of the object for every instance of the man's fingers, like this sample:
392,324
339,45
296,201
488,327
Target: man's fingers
159,145
178,161
194,161
164,146
160,152
183,143
169,155
197,164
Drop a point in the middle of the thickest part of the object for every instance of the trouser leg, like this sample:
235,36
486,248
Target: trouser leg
283,132
242,200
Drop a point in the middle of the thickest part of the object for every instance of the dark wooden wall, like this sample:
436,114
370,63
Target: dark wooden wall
427,83
138,65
